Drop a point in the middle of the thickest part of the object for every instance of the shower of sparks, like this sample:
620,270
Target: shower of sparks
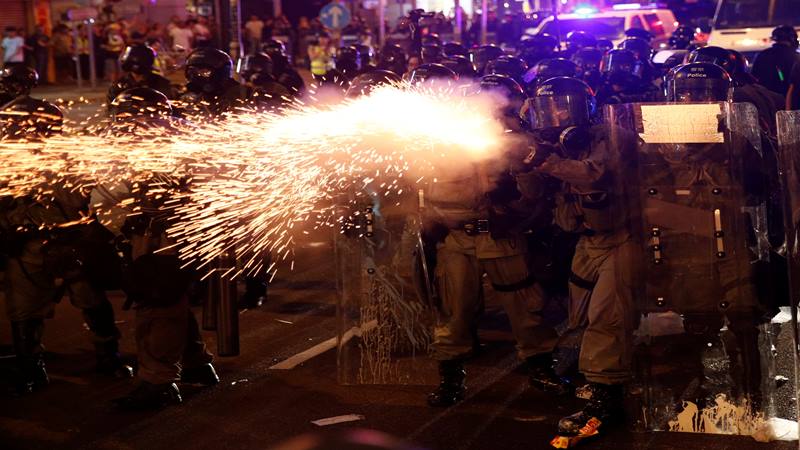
243,185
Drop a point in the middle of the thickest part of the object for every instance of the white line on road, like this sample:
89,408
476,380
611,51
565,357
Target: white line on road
322,347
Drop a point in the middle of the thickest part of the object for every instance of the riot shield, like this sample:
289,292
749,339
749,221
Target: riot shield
789,159
705,347
385,315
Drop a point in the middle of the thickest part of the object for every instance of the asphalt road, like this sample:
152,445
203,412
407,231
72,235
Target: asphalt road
256,407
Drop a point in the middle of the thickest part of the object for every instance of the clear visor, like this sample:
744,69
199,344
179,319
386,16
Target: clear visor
559,111
697,90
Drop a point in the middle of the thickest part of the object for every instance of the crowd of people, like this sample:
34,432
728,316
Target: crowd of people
566,180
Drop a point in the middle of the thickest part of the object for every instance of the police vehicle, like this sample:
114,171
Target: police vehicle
746,25
611,24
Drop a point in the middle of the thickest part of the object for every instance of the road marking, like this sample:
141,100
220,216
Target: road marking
294,361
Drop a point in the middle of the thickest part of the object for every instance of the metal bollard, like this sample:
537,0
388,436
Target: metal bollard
212,300
227,311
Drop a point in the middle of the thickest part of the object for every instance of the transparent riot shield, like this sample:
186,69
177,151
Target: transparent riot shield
789,158
708,339
385,314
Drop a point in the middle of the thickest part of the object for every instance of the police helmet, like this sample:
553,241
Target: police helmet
454,48
511,66
619,61
713,55
640,33
537,47
138,59
255,65
393,58
481,56
587,58
346,59
639,47
277,51
562,102
431,53
461,66
698,82
580,39
273,46
18,80
31,119
428,72
207,67
365,83
431,38
605,44
507,88
549,68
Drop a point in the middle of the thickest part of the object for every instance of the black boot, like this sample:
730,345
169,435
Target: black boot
30,374
604,409
109,361
204,375
106,336
543,377
148,396
451,388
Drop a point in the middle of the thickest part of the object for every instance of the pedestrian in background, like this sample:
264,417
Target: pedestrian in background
62,54
321,55
182,37
113,45
252,31
39,42
13,46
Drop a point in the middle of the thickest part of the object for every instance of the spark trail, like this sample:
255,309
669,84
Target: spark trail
251,179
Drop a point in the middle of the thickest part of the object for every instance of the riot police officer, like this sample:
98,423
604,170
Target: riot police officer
745,87
282,70
533,49
546,69
15,81
571,149
477,229
255,72
577,40
451,49
51,252
431,54
483,55
461,66
623,79
393,58
169,345
644,53
346,62
588,61
510,66
137,62
210,87
708,275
